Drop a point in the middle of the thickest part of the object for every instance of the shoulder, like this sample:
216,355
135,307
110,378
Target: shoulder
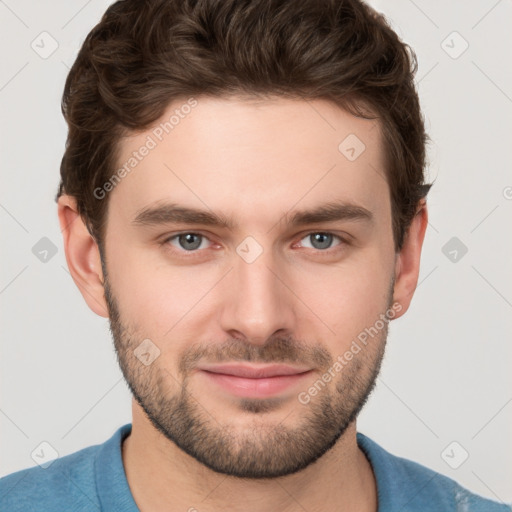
402,483
67,480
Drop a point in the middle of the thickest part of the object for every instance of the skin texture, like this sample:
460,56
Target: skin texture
194,444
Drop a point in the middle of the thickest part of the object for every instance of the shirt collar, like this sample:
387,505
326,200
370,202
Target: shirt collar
115,494
111,483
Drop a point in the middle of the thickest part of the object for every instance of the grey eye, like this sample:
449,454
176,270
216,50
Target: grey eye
189,241
320,240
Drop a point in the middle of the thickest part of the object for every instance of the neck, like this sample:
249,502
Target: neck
164,478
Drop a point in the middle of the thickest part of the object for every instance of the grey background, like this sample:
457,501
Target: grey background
446,376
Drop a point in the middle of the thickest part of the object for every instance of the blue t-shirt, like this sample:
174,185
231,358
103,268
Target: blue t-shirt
94,479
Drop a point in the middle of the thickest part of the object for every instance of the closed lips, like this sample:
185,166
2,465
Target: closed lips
255,372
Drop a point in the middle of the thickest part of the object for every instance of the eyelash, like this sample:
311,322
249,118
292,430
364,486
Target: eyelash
197,252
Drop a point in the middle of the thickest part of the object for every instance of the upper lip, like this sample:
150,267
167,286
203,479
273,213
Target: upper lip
254,372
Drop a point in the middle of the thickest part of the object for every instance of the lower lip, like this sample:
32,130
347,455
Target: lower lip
255,388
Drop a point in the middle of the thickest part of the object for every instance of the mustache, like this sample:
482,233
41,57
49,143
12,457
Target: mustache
283,350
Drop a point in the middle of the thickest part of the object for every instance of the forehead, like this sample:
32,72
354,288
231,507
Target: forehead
252,160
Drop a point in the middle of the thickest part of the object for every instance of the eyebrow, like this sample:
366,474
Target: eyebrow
172,213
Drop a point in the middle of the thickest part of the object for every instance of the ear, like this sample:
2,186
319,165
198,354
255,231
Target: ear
407,264
82,255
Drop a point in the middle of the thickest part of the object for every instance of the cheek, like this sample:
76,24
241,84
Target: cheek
347,297
155,295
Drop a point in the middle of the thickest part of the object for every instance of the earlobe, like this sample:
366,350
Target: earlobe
82,255
407,265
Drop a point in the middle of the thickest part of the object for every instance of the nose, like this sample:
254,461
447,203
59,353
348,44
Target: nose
259,304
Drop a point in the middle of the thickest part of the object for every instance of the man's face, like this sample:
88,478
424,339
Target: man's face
263,292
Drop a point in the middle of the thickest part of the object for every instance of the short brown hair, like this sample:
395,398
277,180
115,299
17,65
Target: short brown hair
143,55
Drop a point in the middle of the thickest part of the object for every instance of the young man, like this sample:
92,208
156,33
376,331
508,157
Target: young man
243,197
